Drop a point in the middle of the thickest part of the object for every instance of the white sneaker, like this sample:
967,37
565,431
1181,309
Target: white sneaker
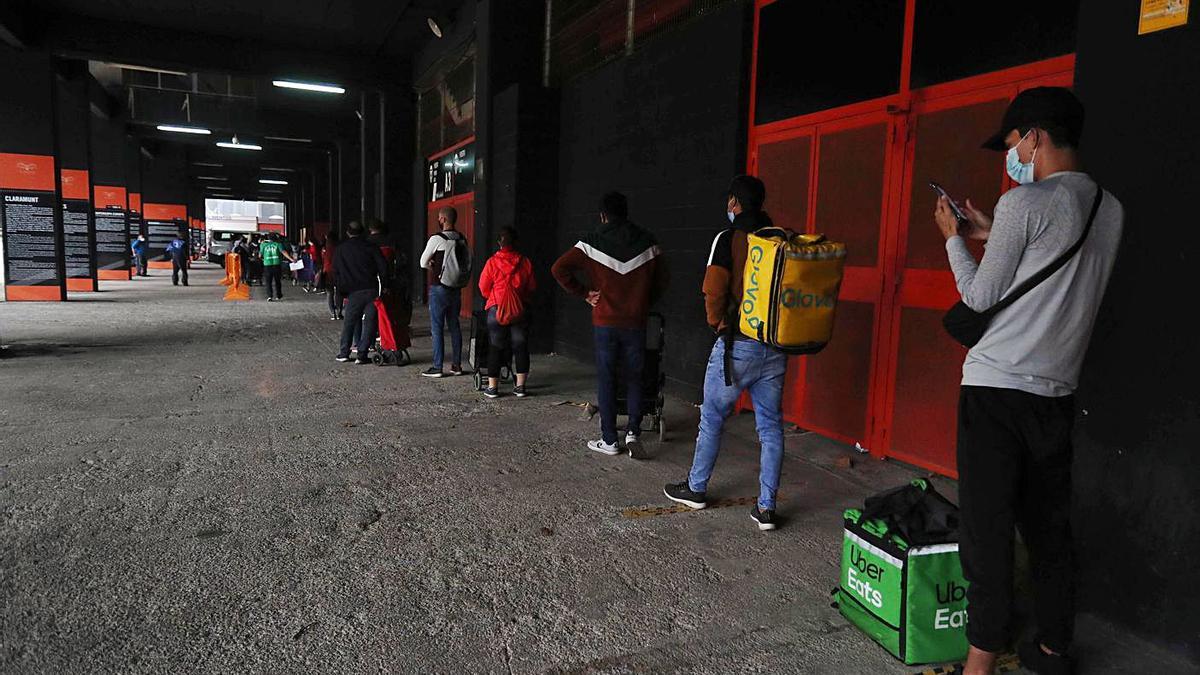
633,444
604,448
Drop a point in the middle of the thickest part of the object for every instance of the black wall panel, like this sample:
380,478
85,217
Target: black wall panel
666,126
1136,464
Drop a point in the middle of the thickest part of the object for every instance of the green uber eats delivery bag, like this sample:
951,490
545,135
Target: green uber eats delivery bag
901,580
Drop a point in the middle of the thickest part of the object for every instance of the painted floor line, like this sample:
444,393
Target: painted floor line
635,512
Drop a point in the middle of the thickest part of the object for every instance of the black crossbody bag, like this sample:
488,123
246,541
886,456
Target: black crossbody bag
968,326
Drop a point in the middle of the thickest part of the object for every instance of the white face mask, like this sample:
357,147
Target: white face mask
1020,173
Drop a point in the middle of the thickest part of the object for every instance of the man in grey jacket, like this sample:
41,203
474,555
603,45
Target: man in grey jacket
1016,406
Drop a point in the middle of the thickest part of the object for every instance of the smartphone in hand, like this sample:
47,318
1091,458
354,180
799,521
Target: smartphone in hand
958,212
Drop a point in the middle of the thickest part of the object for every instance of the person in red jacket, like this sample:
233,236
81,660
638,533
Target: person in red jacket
327,277
626,274
507,282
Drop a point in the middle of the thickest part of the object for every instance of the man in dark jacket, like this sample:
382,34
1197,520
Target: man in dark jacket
626,274
360,269
178,250
753,366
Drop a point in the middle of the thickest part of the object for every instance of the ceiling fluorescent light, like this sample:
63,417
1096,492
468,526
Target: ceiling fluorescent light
272,181
183,130
277,168
208,164
434,26
211,178
289,139
233,144
309,86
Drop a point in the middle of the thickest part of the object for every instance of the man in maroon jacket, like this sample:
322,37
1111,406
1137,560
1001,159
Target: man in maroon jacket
626,273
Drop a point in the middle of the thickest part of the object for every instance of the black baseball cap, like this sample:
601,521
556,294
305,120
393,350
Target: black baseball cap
1040,106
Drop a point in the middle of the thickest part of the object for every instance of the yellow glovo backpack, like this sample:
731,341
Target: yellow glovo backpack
790,289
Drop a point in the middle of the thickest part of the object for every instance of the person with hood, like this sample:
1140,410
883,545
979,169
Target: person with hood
507,282
755,366
626,273
139,254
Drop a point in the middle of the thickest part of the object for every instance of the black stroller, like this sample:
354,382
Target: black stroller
654,380
477,353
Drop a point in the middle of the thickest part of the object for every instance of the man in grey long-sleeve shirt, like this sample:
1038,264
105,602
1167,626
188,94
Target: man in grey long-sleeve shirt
1016,407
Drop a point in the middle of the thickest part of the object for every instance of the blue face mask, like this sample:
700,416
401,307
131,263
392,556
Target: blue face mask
1020,173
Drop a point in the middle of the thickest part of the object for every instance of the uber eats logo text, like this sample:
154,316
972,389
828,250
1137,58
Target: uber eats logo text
751,293
861,567
944,618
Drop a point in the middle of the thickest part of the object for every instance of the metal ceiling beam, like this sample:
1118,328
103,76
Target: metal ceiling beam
162,48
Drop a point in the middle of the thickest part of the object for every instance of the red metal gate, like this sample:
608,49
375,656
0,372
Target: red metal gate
859,174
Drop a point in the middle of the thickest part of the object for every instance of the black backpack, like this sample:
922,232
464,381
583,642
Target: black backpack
917,512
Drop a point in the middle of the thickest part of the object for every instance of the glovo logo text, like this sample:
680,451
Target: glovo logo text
795,297
751,292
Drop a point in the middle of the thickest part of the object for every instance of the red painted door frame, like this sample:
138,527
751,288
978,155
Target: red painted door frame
890,285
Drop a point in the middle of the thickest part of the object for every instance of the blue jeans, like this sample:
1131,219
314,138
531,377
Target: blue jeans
759,369
627,345
445,304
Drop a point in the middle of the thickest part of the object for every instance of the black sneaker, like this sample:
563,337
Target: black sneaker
333,317
1033,658
519,391
342,359
362,362
456,370
432,372
765,519
680,492
270,299
491,392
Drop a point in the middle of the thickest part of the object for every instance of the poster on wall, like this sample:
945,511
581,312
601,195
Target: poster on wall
163,222
112,233
78,256
452,174
1159,15
27,228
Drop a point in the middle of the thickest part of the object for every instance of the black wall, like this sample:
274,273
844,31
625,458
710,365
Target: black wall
666,126
25,107
1137,470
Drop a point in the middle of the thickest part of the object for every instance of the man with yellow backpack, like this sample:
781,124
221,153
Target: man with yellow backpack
767,293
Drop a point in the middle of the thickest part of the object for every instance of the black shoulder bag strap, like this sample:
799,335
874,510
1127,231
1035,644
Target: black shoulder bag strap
1032,282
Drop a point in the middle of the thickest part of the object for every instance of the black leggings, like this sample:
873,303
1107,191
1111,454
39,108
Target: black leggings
503,338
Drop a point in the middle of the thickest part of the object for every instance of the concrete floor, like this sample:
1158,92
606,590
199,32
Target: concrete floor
191,485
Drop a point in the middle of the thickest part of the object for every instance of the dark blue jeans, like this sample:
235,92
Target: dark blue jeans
352,325
623,348
445,304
